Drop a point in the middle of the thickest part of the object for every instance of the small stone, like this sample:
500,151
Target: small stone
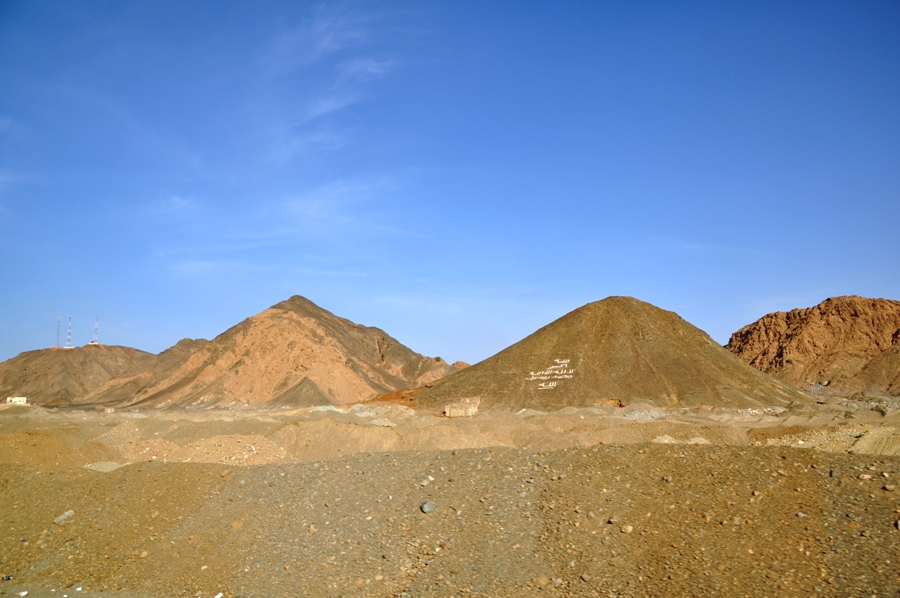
865,476
668,478
455,451
627,529
889,487
865,533
427,507
311,529
62,518
801,515
585,577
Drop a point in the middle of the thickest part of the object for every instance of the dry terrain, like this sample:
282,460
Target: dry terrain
607,501
618,451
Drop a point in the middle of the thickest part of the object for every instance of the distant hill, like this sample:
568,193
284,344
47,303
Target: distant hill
842,346
60,376
619,350
293,354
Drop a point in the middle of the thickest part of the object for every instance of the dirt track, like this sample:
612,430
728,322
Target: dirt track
328,503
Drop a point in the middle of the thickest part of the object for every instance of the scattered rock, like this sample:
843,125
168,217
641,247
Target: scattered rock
427,507
63,518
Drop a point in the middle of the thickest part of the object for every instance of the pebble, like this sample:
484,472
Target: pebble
427,507
585,577
62,518
627,529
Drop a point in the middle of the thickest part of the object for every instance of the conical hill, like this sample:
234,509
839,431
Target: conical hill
619,349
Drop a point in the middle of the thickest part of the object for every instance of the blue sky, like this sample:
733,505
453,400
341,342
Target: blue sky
455,173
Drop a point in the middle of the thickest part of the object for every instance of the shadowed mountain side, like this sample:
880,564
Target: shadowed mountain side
124,388
294,353
621,349
841,346
62,376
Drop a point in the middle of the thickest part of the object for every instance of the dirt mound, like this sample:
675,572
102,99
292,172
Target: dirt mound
61,376
618,349
294,354
844,345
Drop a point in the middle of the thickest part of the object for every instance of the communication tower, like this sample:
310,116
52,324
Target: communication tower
69,335
58,318
96,340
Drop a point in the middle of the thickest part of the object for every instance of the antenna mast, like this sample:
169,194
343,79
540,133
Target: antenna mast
69,335
96,340
58,318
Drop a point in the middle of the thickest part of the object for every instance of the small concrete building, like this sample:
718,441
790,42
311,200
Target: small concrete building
17,400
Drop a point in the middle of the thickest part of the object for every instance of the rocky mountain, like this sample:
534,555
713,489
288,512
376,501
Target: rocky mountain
616,351
293,354
61,376
842,346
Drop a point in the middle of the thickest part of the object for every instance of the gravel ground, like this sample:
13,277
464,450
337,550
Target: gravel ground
634,520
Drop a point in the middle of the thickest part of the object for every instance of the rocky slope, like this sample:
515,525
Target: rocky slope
616,351
60,376
842,346
293,354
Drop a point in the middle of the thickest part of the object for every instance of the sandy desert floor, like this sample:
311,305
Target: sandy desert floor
381,501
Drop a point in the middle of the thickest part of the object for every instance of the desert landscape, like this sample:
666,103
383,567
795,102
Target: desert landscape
617,451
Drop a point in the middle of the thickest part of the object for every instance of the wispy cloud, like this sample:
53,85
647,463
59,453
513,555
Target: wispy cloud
342,207
330,29
367,67
331,102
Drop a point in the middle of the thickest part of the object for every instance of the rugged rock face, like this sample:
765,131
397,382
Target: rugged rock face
616,351
293,354
60,376
844,345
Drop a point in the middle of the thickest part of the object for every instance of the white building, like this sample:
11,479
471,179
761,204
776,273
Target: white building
17,400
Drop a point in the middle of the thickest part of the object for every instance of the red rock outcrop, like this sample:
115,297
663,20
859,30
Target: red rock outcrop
842,346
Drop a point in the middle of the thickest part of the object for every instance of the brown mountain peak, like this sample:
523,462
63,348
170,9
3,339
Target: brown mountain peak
843,345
